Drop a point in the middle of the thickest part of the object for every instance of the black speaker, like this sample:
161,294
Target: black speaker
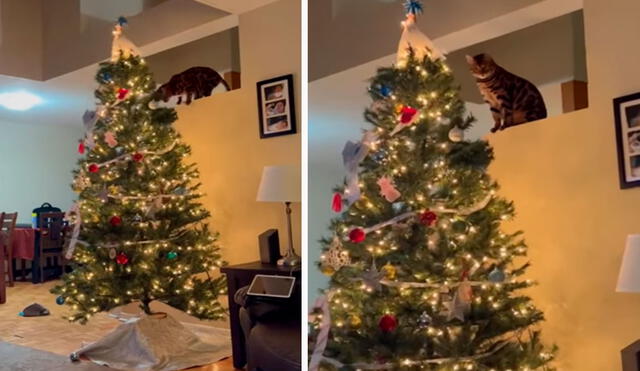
269,246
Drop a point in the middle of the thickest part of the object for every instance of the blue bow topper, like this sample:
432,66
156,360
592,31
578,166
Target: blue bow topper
413,7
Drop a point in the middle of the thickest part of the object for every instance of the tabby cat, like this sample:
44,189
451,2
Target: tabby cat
513,100
194,83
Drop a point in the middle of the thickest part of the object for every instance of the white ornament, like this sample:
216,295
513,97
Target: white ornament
456,134
336,257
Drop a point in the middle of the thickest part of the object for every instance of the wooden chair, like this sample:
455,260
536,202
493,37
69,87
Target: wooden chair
7,225
52,232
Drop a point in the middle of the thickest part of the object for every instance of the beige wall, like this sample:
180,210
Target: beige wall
219,51
223,132
21,38
562,175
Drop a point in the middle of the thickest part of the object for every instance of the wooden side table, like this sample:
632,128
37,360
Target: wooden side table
238,276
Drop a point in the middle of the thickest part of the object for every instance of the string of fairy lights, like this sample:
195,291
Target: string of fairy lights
122,139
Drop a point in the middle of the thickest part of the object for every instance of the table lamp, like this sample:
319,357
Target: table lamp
629,276
282,184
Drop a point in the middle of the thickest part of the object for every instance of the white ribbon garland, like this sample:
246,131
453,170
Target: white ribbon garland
127,243
323,335
408,362
155,197
469,210
124,156
391,221
75,209
434,285
464,211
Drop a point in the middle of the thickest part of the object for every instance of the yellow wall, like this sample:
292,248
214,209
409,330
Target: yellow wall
562,174
223,133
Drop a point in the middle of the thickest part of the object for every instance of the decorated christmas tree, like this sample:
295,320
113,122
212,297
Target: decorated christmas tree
422,276
138,232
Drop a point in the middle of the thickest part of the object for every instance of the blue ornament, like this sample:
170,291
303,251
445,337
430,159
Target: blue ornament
180,191
397,206
385,91
497,276
60,300
106,76
172,255
21,314
413,6
122,21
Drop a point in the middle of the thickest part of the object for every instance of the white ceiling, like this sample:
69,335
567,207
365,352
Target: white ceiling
67,96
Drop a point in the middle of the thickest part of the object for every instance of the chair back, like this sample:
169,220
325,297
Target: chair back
51,230
7,225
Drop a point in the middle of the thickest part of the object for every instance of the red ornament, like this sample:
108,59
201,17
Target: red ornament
81,148
93,168
428,218
122,93
122,258
137,157
388,323
115,221
357,235
336,204
407,114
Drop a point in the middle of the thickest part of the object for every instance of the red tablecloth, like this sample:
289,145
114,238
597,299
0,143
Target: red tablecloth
23,243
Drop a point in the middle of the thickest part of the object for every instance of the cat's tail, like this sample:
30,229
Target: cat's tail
224,82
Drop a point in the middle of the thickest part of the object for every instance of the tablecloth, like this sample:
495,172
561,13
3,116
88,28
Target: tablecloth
23,243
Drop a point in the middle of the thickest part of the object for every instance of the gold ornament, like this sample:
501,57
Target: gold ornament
327,270
336,257
114,190
389,271
355,321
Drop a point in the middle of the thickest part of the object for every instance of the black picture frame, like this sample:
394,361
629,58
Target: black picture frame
276,107
626,111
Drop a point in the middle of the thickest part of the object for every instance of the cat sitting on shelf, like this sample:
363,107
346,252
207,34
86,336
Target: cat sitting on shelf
194,83
513,100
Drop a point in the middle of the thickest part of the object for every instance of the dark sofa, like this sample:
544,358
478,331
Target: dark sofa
271,330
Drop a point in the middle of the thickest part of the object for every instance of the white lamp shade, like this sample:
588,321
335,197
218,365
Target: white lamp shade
280,184
629,277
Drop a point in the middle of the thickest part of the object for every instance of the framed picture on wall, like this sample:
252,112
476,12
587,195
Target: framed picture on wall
276,107
627,115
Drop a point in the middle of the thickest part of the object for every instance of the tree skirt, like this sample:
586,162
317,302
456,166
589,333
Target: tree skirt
154,343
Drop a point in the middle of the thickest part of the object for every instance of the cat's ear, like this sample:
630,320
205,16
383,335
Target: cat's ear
470,60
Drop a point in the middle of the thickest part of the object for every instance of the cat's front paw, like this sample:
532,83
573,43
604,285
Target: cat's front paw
494,129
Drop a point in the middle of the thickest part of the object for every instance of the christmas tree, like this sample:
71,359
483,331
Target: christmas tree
422,277
138,228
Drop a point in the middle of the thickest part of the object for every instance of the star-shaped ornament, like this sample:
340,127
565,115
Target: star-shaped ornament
372,278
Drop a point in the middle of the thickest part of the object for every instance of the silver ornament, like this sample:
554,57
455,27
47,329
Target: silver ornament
497,276
424,320
372,278
112,253
456,134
